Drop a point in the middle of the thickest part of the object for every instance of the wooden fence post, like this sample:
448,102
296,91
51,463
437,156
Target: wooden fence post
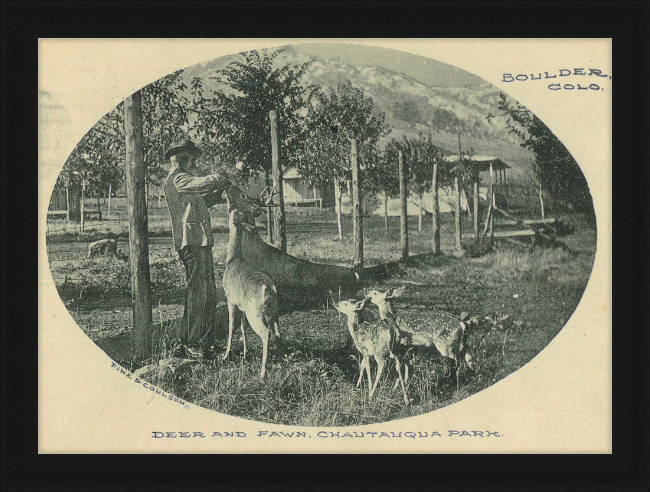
83,199
476,178
357,219
457,217
269,215
418,156
138,225
279,224
403,196
386,212
436,210
492,200
67,203
339,203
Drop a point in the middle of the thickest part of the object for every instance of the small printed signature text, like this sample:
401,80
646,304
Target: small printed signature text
148,386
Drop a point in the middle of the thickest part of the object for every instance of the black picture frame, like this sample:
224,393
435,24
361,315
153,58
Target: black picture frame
23,23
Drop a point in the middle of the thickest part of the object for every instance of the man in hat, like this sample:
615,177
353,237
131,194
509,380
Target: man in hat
188,198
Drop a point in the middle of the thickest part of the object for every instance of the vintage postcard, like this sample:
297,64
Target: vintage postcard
325,246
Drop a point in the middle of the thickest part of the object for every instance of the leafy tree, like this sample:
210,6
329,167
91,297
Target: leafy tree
165,119
234,125
408,110
555,168
444,120
99,157
420,153
334,119
420,169
95,164
465,169
440,176
383,176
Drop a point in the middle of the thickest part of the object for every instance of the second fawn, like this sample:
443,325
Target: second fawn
249,292
438,328
377,339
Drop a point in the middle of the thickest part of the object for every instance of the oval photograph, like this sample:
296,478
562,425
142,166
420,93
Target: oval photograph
320,234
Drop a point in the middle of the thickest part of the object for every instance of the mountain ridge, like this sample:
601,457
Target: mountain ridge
411,105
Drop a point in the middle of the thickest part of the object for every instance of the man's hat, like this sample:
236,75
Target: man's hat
182,145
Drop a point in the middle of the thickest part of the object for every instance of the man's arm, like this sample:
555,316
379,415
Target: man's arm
186,183
212,198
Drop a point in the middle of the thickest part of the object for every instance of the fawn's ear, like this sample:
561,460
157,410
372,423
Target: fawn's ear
359,305
396,292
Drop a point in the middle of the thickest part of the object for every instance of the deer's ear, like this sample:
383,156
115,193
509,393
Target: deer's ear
398,291
359,305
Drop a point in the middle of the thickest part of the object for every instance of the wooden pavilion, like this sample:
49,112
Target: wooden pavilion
495,166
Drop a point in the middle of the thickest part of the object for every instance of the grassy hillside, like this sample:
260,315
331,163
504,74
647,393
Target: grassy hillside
442,100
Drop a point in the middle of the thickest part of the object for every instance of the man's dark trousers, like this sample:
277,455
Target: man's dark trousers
201,296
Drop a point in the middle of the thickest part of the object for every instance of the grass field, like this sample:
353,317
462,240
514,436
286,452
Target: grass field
521,297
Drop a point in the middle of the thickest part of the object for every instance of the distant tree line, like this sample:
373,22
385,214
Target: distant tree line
555,168
231,125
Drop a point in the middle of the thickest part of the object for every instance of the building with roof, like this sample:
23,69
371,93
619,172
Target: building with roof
482,163
297,190
446,197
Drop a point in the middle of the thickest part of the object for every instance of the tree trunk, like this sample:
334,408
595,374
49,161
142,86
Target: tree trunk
339,200
403,195
138,239
357,219
541,201
420,214
386,212
279,224
436,210
110,192
99,207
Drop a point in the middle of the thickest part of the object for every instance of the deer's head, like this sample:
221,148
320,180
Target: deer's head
379,297
349,307
383,298
248,208
236,217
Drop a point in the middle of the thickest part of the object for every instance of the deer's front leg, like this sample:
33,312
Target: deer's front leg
232,312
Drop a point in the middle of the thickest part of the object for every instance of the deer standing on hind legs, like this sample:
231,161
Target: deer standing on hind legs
377,339
442,330
249,292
